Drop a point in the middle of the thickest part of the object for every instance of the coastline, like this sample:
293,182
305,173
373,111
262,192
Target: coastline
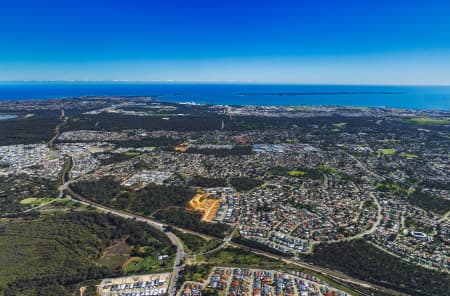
436,98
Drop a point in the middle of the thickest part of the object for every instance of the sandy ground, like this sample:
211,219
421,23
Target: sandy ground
208,206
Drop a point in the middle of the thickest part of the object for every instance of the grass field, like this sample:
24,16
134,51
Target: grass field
132,153
113,262
295,173
387,151
389,186
328,169
69,203
408,155
34,201
340,124
28,201
116,255
428,120
149,264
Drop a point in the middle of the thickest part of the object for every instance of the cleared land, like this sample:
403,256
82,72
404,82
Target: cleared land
207,206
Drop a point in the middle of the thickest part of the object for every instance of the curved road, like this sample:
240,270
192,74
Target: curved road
160,226
335,275
66,169
338,276
361,234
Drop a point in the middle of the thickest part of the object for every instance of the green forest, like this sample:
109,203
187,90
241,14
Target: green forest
195,244
245,183
192,221
14,190
144,201
38,128
362,260
200,181
50,254
163,202
429,202
301,172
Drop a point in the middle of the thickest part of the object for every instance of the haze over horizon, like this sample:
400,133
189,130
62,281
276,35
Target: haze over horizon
324,42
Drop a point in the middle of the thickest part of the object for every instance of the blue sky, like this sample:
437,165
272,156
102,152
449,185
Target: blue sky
316,41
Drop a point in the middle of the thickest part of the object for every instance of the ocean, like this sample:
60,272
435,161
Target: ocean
6,116
410,97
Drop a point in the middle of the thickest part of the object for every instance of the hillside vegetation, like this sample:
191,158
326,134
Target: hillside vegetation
362,260
145,201
50,254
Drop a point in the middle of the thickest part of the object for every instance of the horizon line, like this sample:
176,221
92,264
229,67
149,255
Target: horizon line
221,81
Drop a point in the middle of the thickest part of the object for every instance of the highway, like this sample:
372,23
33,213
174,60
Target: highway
340,277
64,188
66,169
337,276
160,226
58,127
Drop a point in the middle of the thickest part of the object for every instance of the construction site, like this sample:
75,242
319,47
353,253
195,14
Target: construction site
206,204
